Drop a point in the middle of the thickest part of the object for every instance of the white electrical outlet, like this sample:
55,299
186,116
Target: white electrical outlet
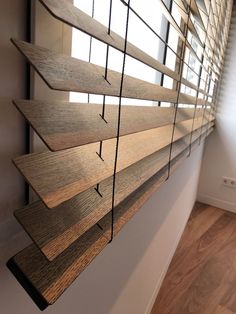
229,182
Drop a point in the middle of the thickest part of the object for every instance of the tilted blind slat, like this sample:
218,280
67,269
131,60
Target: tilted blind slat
71,15
93,190
65,73
126,209
64,125
68,13
54,230
80,168
48,280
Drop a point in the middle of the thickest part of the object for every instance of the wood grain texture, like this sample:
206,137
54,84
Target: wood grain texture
187,21
68,13
57,177
188,24
51,279
201,270
198,17
130,206
223,310
54,230
65,73
210,35
64,125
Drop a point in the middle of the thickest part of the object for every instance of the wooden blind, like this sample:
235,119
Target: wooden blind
104,160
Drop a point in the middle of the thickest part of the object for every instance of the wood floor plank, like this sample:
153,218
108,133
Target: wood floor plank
202,289
207,289
225,294
81,168
208,216
223,310
229,298
63,125
80,76
198,209
183,271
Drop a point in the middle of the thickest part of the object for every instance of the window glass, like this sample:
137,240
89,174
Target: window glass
94,51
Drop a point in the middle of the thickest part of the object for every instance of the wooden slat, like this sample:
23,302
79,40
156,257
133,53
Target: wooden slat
172,21
188,21
57,177
191,27
181,5
129,207
193,86
196,13
54,230
199,18
64,125
68,13
209,29
65,73
222,17
48,280
219,39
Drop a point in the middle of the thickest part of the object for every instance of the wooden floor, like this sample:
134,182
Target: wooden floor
202,276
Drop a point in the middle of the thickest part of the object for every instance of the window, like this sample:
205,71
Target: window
124,131
89,49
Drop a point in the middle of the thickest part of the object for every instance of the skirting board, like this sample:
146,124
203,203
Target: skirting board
210,200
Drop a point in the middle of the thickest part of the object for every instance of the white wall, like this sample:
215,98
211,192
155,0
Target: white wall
220,155
125,277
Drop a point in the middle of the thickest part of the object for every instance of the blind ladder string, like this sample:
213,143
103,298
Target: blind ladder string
90,43
165,51
102,115
178,94
161,39
119,122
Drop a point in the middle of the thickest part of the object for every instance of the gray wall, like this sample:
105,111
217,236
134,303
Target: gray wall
126,276
12,125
